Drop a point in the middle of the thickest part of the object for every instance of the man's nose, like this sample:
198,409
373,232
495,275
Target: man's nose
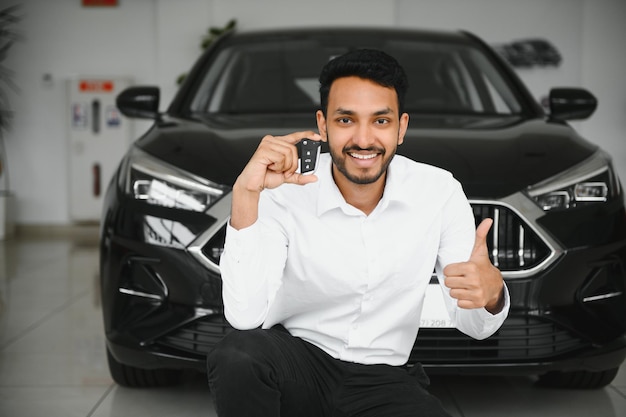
364,136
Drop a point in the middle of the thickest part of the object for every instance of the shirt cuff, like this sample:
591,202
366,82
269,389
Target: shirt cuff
501,315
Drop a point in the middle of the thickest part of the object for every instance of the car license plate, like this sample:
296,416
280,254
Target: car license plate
435,314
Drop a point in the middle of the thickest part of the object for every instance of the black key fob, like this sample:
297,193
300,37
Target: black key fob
308,156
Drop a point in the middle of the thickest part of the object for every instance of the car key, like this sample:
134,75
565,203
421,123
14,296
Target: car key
308,156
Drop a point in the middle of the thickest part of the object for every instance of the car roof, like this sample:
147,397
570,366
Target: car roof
454,36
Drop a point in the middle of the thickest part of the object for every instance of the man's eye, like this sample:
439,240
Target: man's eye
344,120
381,121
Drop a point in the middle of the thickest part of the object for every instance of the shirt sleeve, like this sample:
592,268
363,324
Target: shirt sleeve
251,268
457,241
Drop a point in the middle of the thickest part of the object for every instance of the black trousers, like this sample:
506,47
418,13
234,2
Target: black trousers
269,373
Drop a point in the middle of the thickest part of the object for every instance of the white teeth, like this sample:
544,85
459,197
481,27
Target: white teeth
359,156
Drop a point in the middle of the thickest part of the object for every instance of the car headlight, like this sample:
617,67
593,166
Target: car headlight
591,182
156,182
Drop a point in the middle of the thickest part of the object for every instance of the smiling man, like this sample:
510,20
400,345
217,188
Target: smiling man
366,132
324,275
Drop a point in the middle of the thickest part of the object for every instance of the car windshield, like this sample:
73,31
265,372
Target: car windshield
281,77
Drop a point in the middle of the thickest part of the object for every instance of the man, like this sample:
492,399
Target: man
325,274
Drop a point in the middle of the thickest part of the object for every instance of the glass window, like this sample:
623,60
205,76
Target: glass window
281,77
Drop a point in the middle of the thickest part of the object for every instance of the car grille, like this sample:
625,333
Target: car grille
197,337
521,338
513,244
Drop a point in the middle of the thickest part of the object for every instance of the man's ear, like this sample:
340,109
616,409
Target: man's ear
321,125
404,125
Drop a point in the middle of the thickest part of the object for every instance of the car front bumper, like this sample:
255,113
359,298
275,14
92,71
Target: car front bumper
162,306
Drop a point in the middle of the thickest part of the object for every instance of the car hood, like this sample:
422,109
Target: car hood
491,157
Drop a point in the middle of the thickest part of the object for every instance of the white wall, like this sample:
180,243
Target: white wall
603,71
154,41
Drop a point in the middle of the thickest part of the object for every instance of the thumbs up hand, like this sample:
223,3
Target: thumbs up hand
477,283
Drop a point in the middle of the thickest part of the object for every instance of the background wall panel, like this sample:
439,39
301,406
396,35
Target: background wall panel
154,41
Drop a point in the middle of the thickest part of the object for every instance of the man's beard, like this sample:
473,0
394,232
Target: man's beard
339,162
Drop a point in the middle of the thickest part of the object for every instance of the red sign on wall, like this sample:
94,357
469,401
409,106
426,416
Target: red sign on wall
95,86
107,3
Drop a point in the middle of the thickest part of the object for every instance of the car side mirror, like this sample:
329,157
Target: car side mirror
139,102
571,103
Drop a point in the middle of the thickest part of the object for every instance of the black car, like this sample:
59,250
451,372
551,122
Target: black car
559,235
517,59
538,52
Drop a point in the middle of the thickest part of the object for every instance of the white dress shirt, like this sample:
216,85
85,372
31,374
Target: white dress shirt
350,283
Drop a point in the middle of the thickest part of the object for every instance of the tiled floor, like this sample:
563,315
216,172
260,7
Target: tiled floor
52,358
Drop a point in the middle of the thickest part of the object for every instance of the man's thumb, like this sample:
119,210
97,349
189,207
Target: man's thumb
480,244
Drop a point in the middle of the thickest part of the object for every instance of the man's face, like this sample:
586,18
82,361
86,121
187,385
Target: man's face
363,129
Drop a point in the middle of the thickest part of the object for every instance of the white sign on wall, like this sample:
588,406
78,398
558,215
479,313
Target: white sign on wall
98,138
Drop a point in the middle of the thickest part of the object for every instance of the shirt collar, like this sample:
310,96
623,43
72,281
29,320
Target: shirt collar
331,198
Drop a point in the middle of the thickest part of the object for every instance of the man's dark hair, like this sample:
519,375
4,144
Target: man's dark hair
369,64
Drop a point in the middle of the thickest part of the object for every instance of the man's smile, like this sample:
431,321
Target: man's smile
363,156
